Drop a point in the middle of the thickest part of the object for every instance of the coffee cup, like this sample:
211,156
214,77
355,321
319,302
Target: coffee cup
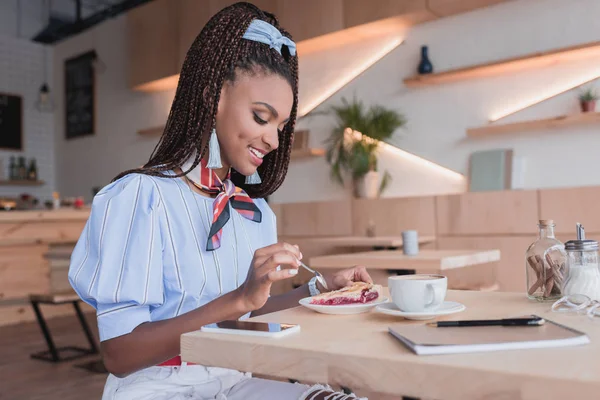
418,293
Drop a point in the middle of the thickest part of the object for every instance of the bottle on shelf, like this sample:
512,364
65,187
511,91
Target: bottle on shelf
21,169
32,171
55,200
425,66
12,169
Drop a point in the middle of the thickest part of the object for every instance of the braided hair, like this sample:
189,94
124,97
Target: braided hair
218,53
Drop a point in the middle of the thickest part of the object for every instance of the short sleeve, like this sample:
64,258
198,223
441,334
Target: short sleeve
269,223
116,266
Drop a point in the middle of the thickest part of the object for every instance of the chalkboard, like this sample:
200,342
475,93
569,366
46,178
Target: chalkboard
11,122
79,95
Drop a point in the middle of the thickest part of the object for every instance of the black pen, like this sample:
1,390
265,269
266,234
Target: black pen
534,321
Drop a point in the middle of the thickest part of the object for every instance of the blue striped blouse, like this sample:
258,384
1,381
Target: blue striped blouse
141,256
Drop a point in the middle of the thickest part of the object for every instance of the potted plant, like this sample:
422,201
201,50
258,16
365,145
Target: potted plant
587,100
352,147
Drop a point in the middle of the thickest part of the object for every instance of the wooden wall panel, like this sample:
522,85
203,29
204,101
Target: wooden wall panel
310,18
153,37
489,213
444,8
392,216
278,211
317,219
59,276
23,270
569,206
357,12
510,270
193,15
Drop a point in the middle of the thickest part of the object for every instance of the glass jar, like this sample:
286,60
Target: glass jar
582,274
545,262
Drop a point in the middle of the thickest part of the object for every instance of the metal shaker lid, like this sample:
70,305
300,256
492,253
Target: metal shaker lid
581,244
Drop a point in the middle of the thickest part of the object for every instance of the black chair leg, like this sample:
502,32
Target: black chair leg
59,354
51,347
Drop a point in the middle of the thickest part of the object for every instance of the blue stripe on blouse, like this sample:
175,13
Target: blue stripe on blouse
141,256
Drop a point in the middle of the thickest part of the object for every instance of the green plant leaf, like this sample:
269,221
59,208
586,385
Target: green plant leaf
358,156
360,160
385,182
588,95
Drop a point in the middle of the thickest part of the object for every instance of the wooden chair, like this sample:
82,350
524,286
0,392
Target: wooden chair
53,353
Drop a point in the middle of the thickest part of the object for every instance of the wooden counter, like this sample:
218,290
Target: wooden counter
26,237
67,214
427,261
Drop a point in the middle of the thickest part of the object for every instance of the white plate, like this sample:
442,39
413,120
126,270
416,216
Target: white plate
344,309
448,307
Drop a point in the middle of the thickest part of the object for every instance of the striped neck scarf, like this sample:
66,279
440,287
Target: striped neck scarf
227,194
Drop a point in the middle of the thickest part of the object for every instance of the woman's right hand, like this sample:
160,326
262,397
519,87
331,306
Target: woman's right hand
263,272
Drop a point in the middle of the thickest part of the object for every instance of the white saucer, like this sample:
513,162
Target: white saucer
344,309
447,307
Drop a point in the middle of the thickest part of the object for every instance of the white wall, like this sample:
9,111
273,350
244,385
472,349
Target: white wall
438,116
92,161
22,73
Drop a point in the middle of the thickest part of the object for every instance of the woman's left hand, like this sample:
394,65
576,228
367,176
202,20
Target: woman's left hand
346,277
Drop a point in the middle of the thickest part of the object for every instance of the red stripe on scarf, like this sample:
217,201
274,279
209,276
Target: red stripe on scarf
240,201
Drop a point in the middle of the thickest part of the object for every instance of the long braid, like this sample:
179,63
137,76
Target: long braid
213,58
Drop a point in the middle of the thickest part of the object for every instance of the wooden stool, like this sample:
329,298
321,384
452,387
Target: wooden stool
53,353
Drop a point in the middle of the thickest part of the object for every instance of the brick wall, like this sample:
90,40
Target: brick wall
22,73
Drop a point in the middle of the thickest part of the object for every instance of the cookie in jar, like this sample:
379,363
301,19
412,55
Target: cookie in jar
545,264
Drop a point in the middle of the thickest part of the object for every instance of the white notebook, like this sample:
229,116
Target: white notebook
429,340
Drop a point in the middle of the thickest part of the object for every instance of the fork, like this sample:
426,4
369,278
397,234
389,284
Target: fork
320,277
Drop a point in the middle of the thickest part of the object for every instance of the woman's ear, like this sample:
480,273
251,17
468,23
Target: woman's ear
222,97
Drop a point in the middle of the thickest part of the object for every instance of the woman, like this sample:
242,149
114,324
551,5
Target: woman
186,240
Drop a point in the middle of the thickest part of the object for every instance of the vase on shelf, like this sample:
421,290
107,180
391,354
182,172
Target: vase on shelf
367,186
588,106
587,100
425,66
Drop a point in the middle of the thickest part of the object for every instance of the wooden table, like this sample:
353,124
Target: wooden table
369,241
358,352
427,261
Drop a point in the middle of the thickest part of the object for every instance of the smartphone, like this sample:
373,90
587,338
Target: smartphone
266,329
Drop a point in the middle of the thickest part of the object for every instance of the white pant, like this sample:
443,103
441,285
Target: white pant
198,382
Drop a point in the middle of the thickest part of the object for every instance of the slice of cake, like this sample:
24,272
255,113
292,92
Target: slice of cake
358,292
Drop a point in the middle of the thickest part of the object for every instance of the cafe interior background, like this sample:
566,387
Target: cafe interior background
495,100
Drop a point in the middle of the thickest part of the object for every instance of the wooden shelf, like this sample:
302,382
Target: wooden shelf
21,183
511,65
548,123
156,131
307,153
